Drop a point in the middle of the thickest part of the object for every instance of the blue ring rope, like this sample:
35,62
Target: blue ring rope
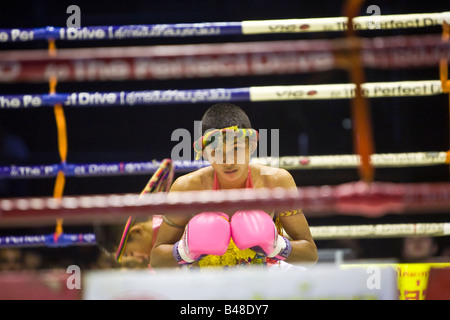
50,240
93,169
124,98
182,30
178,30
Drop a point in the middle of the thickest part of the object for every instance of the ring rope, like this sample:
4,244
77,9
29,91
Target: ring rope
357,198
318,233
49,240
245,94
160,181
382,22
382,160
380,231
378,44
218,60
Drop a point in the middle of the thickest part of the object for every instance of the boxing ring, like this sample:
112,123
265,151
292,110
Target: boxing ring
366,198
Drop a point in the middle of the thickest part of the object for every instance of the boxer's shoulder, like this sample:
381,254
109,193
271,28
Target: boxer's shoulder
201,179
270,177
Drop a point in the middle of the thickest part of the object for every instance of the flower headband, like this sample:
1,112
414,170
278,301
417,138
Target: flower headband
213,135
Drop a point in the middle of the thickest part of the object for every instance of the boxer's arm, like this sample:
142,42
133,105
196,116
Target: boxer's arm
161,255
303,246
295,224
171,230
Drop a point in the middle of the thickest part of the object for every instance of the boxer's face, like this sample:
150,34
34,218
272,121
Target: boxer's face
230,159
139,244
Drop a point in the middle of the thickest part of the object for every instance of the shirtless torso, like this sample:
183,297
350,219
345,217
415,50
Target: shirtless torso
295,226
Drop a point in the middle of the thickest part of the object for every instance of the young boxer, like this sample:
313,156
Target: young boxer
231,238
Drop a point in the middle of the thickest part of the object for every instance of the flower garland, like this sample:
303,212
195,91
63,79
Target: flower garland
233,257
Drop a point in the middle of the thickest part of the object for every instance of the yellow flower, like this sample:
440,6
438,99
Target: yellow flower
233,256
209,261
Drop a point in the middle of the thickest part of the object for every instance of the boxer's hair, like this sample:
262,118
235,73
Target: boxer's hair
107,236
223,115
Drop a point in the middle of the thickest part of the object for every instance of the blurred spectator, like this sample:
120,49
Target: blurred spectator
419,249
32,260
10,259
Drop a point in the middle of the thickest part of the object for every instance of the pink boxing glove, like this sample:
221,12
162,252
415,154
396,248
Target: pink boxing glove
206,233
255,229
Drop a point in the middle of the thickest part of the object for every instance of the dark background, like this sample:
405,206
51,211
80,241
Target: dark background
113,134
